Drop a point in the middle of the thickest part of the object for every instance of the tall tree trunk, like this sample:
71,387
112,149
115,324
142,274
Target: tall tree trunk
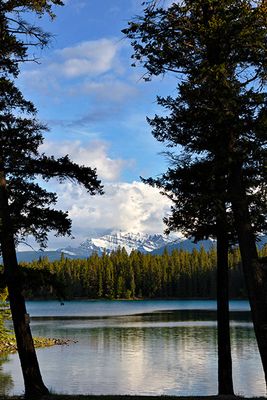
225,379
254,272
34,386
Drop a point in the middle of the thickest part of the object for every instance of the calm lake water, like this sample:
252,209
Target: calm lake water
137,347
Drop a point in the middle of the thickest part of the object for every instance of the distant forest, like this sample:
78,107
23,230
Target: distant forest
181,274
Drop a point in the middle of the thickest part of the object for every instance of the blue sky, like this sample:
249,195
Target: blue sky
95,105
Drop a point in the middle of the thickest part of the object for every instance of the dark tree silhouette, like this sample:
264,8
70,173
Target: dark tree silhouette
199,212
218,51
25,207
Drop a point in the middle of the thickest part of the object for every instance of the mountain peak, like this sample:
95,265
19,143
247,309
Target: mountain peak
130,241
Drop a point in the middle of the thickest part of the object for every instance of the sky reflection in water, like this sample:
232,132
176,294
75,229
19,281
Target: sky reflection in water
167,352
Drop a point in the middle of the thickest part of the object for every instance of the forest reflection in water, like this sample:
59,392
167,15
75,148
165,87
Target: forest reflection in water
168,352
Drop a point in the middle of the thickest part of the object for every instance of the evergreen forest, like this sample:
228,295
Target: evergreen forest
181,274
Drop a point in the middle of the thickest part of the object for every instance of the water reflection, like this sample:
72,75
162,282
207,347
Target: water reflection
87,308
170,353
6,381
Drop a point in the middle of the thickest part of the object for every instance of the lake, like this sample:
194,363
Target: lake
153,347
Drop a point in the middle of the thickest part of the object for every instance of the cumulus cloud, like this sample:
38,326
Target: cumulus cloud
92,57
94,69
133,207
94,154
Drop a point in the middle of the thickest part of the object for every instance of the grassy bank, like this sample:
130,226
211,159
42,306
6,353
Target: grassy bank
8,343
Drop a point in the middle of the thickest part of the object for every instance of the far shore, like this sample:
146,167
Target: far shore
126,299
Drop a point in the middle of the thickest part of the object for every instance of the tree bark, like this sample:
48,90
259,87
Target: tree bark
254,272
34,386
225,380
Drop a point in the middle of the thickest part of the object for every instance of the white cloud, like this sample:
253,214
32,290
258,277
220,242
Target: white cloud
93,68
94,154
93,57
90,58
108,89
133,207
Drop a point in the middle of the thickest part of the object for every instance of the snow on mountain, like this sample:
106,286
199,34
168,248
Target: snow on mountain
130,241
154,244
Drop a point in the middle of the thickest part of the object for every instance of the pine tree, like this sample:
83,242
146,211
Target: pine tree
218,49
199,212
25,207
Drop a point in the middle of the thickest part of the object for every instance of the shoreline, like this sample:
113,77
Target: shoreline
8,345
131,299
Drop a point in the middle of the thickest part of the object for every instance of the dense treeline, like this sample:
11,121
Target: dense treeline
180,274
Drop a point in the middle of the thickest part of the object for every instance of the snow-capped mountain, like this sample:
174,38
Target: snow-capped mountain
130,241
154,244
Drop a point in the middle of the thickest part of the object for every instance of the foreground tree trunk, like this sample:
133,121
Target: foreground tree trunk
225,379
254,271
34,386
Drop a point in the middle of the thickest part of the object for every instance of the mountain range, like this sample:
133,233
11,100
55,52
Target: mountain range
145,243
129,241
